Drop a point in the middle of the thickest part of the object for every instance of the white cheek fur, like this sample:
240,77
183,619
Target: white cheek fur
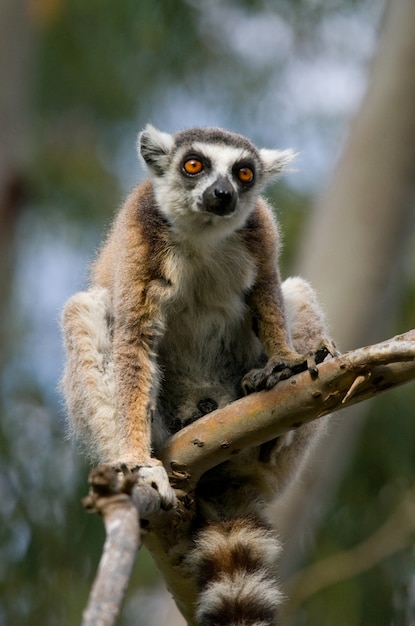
182,205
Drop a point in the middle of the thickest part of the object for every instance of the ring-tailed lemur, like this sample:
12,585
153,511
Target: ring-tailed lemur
185,313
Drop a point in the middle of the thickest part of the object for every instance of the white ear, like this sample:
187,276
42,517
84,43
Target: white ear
154,147
275,161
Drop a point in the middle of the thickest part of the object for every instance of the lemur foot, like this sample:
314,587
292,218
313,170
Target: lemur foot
274,371
325,348
152,473
277,369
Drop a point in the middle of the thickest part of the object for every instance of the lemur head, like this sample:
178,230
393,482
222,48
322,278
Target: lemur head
207,180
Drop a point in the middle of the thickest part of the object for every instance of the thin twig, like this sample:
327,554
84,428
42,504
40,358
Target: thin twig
121,505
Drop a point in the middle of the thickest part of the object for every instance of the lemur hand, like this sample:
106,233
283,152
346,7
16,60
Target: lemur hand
152,473
278,369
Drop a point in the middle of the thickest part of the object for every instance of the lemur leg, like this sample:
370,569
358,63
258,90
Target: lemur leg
286,456
89,387
88,379
305,319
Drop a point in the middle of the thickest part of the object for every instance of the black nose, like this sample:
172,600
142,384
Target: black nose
220,197
224,196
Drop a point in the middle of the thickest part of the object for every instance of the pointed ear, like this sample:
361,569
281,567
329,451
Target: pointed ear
275,161
154,147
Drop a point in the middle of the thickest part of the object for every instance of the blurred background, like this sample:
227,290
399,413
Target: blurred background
334,81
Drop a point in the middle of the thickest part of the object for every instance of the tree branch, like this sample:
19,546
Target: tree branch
260,417
121,504
251,421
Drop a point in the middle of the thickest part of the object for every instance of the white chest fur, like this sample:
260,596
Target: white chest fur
210,281
208,343
207,317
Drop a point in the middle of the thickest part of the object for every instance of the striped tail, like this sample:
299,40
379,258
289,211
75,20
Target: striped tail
235,567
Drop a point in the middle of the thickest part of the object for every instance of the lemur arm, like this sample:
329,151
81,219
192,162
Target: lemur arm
129,268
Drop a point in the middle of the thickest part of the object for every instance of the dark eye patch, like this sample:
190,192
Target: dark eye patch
194,163
244,173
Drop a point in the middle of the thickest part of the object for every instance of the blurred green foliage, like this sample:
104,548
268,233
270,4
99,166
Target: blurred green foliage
101,70
380,473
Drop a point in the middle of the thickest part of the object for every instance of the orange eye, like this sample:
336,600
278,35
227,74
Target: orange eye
245,175
193,166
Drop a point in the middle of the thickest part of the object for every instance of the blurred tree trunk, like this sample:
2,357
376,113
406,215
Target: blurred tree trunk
15,38
354,246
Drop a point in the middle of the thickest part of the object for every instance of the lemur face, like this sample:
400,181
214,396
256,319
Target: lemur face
207,178
217,178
